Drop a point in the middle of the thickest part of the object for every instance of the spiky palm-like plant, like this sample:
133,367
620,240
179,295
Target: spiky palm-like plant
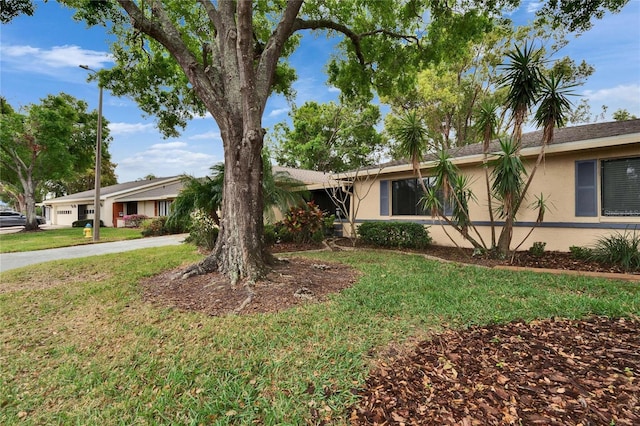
279,190
486,124
552,112
508,180
411,134
523,77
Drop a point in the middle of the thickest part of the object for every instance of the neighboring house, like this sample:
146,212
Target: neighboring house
151,197
154,197
590,177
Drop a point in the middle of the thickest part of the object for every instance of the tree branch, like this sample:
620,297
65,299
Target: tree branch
212,12
316,24
273,50
355,38
165,32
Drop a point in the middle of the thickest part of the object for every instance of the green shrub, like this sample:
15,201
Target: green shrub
157,226
328,224
270,236
394,234
537,248
82,223
303,222
203,231
581,253
621,250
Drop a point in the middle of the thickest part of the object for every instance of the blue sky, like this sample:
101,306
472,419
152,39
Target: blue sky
40,55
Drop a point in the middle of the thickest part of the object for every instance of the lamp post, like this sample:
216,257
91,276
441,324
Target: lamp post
96,200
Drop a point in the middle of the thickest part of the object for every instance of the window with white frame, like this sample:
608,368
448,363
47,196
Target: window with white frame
164,208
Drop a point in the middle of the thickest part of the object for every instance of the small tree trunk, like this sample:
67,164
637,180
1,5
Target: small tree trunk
506,236
30,204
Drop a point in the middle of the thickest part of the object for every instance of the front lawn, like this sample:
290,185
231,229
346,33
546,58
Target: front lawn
84,348
63,237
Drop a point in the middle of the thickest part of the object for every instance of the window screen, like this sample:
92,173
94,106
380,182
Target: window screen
406,195
586,188
621,187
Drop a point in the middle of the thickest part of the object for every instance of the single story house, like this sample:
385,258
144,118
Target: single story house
590,178
152,197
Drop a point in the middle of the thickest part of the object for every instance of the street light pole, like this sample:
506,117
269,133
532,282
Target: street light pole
96,199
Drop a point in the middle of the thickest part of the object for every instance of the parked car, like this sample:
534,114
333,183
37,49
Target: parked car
16,219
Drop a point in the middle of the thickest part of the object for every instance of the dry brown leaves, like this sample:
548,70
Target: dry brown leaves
555,372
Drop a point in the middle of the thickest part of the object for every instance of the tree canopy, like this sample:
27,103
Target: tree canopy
52,141
330,137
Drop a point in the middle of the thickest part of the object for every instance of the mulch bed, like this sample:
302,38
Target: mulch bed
555,372
548,259
290,283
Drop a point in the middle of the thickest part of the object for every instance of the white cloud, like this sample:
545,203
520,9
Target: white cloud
126,128
334,89
45,60
534,6
206,136
165,159
625,93
277,112
625,96
168,145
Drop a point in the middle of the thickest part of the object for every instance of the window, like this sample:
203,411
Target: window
586,189
621,187
132,207
164,208
406,195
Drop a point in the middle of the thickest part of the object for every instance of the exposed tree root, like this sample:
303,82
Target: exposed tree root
208,265
248,299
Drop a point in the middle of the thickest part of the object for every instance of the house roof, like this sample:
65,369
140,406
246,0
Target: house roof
565,135
168,190
115,190
308,177
562,135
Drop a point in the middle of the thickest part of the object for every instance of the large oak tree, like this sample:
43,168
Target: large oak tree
227,57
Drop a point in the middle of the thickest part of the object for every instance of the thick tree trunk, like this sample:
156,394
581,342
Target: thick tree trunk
239,250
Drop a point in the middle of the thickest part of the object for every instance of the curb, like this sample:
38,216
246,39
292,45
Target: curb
607,275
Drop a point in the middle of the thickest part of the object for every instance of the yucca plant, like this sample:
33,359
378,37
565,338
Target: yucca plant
523,77
411,134
508,180
486,124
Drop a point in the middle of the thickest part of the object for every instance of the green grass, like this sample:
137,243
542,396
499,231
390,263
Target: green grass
90,351
63,237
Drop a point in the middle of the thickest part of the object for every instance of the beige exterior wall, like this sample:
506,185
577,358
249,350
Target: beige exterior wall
147,208
555,179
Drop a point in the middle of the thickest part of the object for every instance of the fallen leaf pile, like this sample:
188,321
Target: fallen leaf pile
555,372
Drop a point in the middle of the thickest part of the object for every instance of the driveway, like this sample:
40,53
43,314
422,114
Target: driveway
17,260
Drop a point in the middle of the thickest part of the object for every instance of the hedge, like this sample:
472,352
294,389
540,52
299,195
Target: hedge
394,234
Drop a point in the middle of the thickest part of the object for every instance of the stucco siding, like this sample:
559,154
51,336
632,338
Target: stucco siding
555,179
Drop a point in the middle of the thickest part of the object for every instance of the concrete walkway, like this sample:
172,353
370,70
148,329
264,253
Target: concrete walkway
17,260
